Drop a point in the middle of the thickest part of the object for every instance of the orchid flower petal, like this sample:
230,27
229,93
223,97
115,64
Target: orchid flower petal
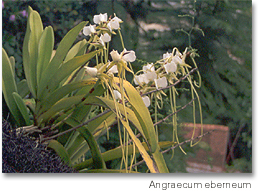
170,67
115,56
161,82
100,18
166,55
114,23
88,30
129,56
146,101
117,95
140,79
150,76
105,37
148,67
177,59
113,69
91,71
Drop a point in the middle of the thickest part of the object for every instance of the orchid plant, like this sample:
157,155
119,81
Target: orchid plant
68,104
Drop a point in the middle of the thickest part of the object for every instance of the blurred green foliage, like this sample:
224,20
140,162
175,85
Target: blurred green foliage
150,28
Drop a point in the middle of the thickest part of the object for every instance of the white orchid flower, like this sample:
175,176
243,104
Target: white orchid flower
161,82
113,69
146,101
88,30
140,79
91,71
170,67
166,55
114,23
151,76
177,58
115,56
104,38
148,68
97,19
117,95
145,78
128,56
148,75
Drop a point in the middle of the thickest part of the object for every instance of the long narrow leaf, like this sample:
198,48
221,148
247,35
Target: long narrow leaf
77,50
12,61
61,92
76,146
117,153
60,105
9,86
25,51
130,114
149,162
23,88
98,161
59,56
141,112
65,70
45,48
60,150
30,48
160,161
143,115
22,107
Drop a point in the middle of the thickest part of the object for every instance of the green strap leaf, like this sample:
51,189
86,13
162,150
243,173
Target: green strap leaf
45,48
61,52
149,162
77,50
143,115
61,92
98,161
64,71
9,86
117,153
141,112
60,150
76,146
23,88
30,48
22,107
12,61
62,104
111,105
70,101
74,143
